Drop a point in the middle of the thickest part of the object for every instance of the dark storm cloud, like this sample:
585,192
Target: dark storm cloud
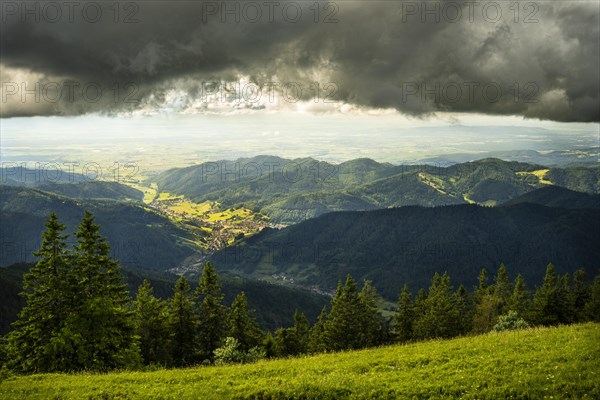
380,54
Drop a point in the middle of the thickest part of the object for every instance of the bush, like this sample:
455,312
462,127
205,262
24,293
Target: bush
509,322
230,353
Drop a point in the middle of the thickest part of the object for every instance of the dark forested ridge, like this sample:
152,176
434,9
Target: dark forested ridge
138,237
410,244
556,196
94,190
290,191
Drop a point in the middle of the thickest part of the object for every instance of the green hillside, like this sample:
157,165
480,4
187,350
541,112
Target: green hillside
561,362
395,246
290,191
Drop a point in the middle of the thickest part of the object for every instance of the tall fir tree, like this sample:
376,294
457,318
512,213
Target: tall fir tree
212,313
183,324
464,308
99,333
152,326
581,294
243,326
519,300
372,326
47,304
439,317
545,300
485,315
483,288
565,299
404,318
502,289
342,332
316,338
293,341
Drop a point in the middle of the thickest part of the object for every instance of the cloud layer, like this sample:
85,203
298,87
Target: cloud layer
538,60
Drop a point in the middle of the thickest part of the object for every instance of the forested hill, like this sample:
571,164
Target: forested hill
94,190
138,237
409,244
556,196
290,191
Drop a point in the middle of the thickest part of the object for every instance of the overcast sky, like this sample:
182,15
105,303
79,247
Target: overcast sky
528,59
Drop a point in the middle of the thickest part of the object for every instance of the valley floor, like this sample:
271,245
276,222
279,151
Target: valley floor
560,363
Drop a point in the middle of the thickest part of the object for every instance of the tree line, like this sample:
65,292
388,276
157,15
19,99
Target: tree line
80,316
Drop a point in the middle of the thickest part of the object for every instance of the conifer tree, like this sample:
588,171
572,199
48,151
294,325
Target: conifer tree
483,287
152,326
294,340
404,319
581,294
519,300
212,313
301,331
99,333
342,332
183,323
545,300
502,289
464,307
242,326
439,317
372,328
46,305
316,340
485,315
565,300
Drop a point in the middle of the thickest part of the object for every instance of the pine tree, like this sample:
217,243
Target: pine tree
565,300
269,346
47,305
464,307
372,328
545,300
316,340
301,331
212,313
152,326
486,313
581,294
404,319
183,324
439,316
341,330
483,287
502,289
99,333
293,341
519,300
242,326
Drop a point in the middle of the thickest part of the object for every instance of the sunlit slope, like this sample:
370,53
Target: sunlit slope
560,363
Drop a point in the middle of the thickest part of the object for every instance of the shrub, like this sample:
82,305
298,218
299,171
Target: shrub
231,353
509,322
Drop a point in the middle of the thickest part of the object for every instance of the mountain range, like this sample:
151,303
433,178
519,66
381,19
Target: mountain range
290,191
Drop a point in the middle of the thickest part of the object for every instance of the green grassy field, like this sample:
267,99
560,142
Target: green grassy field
559,363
